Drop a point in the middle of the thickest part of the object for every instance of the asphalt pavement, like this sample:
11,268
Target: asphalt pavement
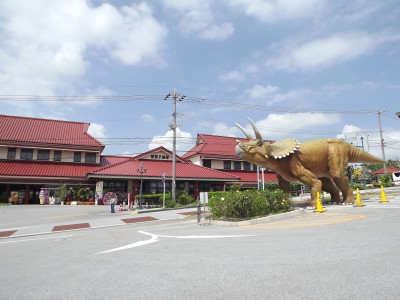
28,220
345,252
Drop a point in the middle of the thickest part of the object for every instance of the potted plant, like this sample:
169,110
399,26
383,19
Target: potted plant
63,193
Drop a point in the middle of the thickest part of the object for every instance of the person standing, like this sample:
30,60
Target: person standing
112,201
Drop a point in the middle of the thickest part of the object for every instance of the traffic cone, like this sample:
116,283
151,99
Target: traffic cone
320,208
359,202
120,207
383,196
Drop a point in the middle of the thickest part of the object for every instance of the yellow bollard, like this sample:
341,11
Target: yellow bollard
383,196
320,208
359,202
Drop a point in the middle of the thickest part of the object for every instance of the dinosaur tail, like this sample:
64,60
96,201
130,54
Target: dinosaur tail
358,155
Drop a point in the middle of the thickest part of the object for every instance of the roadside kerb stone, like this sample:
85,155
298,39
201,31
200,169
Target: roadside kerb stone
267,219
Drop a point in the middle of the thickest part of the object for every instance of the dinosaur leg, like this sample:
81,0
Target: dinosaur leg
309,179
337,163
331,188
283,184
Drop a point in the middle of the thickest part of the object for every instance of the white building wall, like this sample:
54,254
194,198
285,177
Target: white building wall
196,160
3,153
217,164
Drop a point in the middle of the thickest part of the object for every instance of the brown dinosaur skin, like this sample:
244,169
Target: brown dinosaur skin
315,163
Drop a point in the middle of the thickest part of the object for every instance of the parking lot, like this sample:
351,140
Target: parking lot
347,252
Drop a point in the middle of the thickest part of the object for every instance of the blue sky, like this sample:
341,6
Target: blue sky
301,69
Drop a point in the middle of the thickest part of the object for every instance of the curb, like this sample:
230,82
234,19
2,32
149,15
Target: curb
282,216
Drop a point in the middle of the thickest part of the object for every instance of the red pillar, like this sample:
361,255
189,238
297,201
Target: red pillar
196,190
27,190
135,187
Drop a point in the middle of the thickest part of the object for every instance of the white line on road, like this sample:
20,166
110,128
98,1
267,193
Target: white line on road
30,240
155,238
16,228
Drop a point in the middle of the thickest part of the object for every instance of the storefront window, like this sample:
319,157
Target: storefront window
11,153
90,157
26,154
77,157
157,187
43,155
57,155
118,187
237,165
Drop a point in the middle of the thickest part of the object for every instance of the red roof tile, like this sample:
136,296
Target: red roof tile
44,169
54,132
214,146
178,158
155,168
389,170
106,160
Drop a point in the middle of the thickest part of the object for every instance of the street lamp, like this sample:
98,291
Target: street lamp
141,171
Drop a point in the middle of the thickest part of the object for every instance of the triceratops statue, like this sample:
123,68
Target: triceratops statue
320,163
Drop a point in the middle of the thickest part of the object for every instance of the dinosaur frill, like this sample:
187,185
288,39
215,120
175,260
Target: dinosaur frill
283,148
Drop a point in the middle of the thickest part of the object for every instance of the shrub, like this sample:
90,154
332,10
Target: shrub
386,180
151,199
4,197
182,199
295,187
248,204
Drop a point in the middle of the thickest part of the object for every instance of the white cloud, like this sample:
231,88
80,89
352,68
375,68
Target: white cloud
45,42
269,93
217,32
232,76
98,131
223,130
348,129
324,52
187,5
197,19
183,144
276,126
372,143
239,75
147,118
270,11
259,91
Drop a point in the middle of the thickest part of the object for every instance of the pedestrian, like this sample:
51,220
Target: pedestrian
112,201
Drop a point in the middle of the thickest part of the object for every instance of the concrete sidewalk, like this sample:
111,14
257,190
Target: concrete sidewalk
20,221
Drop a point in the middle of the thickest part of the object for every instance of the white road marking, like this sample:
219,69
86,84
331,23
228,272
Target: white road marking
155,238
16,228
30,240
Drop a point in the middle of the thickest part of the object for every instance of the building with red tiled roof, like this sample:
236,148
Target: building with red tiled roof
218,152
41,154
390,170
157,164
53,134
37,153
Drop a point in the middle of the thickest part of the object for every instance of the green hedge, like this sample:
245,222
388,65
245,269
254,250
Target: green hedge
247,204
182,199
295,187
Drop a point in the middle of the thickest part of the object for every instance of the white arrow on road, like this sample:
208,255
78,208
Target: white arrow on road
155,238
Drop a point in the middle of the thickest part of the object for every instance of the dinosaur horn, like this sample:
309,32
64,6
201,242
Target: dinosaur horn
244,131
256,131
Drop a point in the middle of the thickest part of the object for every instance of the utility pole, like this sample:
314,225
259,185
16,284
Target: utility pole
382,141
175,97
